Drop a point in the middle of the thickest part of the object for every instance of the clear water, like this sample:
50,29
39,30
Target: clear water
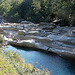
54,63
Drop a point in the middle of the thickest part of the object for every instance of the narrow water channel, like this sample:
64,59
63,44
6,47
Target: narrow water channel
56,64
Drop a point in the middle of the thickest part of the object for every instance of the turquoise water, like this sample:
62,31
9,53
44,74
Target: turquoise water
56,64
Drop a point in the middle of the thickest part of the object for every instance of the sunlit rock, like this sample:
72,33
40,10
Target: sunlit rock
21,32
44,36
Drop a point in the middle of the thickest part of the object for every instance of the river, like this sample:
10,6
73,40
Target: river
56,64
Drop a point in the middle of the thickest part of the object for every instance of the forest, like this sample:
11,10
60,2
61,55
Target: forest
38,10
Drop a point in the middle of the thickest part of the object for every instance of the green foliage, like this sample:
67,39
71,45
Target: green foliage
1,39
64,9
6,68
38,10
22,67
12,64
8,8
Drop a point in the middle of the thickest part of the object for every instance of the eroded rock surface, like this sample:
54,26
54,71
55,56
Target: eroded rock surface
44,36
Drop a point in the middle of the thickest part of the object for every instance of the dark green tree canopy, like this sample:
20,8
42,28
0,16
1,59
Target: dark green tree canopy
38,10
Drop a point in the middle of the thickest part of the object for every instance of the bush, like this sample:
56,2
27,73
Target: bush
6,68
22,67
1,39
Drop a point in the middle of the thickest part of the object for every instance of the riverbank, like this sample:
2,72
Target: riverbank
43,36
15,65
54,63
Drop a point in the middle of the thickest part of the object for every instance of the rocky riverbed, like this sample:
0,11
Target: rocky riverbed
43,36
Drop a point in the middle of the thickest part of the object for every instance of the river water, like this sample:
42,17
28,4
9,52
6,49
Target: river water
56,64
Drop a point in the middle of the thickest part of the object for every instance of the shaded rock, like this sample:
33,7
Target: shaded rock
60,22
48,26
57,21
72,32
61,30
9,28
43,23
20,20
21,32
26,22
